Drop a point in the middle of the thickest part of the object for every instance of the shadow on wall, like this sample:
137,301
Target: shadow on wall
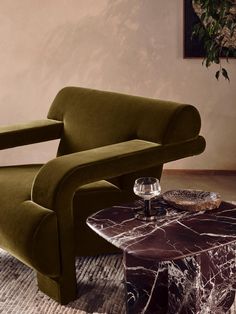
120,49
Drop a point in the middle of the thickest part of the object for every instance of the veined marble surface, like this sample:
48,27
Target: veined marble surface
182,263
176,234
202,284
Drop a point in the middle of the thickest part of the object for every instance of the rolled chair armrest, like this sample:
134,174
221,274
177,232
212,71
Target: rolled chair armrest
29,133
184,124
67,173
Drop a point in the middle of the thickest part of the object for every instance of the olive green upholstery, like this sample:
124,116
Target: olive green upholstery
106,141
33,132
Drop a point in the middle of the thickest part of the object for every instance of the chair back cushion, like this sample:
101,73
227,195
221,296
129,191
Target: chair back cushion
95,118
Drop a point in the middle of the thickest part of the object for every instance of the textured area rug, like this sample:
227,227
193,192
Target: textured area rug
100,282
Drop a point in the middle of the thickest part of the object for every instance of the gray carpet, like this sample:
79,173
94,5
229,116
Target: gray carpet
101,288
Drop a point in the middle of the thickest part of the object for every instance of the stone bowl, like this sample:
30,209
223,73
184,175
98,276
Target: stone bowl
192,200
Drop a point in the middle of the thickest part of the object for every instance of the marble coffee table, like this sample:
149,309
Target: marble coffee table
182,263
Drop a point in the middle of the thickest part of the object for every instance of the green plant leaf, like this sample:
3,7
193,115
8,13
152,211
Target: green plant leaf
203,16
214,17
225,74
217,74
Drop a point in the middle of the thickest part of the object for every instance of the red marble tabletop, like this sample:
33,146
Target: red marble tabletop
176,234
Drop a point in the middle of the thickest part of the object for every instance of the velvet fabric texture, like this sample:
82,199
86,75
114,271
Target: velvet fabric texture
107,141
29,133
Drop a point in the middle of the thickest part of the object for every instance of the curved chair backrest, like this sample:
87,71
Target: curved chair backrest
95,118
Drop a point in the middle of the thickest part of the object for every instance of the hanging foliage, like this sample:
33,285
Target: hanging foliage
217,30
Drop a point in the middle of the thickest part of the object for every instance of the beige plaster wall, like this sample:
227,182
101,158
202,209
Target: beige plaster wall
131,46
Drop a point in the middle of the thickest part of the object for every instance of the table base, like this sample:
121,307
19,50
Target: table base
204,283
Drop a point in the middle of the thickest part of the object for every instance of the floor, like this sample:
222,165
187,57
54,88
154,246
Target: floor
221,182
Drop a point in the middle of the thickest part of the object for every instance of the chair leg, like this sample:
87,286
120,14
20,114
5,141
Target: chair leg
62,289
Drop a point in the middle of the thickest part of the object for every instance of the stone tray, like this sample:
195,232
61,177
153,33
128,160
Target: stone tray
192,200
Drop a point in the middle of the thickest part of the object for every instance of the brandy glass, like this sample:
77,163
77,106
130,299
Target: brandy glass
147,188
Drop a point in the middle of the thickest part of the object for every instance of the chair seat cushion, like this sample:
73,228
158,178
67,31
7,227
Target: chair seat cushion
15,185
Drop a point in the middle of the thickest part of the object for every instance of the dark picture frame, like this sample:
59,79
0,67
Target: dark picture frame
193,47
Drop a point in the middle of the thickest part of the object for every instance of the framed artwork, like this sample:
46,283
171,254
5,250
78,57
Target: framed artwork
193,47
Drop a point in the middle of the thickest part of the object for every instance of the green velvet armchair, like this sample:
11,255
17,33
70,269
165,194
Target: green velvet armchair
106,141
